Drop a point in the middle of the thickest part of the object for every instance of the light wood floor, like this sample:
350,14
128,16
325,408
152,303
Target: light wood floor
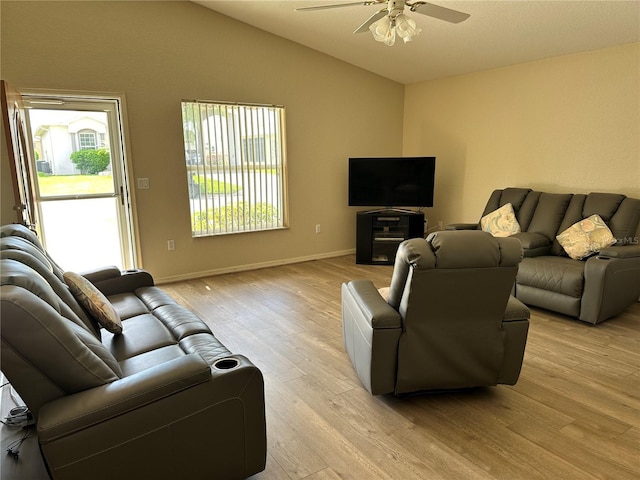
574,414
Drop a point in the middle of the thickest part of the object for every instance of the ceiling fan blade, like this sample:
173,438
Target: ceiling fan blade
337,5
372,19
438,12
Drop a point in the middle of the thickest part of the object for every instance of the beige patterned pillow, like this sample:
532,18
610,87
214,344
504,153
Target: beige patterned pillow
384,293
93,301
501,222
586,237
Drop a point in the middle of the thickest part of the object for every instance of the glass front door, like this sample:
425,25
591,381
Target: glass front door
80,188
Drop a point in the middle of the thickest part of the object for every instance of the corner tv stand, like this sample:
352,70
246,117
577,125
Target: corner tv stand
380,232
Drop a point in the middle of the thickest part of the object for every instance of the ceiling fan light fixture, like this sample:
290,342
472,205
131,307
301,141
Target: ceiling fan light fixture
384,31
407,28
387,22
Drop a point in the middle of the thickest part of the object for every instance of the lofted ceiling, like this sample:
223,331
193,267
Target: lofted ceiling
498,33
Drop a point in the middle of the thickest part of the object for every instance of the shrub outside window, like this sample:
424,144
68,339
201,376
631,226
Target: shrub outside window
236,167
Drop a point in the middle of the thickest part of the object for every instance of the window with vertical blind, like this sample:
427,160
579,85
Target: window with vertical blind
236,167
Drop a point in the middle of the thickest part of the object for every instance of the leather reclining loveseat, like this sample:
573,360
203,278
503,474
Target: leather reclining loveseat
162,399
592,289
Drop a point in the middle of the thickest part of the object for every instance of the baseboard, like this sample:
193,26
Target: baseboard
251,266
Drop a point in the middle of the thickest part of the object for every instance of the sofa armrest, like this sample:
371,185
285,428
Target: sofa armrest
101,274
74,412
626,251
111,281
373,308
462,226
371,331
611,284
184,417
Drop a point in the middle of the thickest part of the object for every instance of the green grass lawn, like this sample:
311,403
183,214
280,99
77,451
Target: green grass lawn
54,185
213,186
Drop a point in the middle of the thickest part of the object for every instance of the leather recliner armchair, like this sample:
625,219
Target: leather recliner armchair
450,320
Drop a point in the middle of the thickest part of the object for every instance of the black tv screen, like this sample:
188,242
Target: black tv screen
391,181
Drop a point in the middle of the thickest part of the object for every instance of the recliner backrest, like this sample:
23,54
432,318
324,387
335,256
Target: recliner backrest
620,213
548,214
451,291
448,260
28,236
523,201
67,300
46,352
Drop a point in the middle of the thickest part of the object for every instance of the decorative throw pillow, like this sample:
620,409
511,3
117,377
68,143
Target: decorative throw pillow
384,293
501,222
93,301
586,237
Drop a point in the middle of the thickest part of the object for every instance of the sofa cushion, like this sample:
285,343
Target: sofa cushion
533,244
603,204
501,222
153,297
21,275
624,222
128,305
59,351
141,334
550,212
561,275
94,301
20,244
146,360
586,237
68,305
571,216
25,236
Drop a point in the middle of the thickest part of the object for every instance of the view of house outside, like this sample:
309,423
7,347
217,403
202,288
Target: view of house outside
71,151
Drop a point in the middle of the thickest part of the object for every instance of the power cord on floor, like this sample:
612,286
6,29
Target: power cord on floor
18,417
13,450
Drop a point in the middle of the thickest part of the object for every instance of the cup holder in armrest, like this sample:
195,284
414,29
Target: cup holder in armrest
226,363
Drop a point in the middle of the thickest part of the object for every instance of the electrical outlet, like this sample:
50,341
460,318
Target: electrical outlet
318,228
440,225
171,245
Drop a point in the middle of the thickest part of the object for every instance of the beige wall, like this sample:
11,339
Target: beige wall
569,123
158,53
565,124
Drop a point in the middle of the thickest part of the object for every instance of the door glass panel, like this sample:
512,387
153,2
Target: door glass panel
72,152
82,200
70,228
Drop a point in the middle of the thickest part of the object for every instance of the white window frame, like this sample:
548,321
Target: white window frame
236,167
86,134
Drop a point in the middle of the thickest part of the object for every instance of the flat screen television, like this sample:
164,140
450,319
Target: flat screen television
391,181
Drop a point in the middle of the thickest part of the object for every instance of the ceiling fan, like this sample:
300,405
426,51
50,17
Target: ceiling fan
385,23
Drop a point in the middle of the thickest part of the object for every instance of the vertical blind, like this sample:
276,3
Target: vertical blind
236,167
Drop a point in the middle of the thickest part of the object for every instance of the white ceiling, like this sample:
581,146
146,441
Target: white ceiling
497,34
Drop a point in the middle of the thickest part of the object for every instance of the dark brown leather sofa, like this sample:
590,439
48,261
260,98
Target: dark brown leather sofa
163,399
449,321
592,289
